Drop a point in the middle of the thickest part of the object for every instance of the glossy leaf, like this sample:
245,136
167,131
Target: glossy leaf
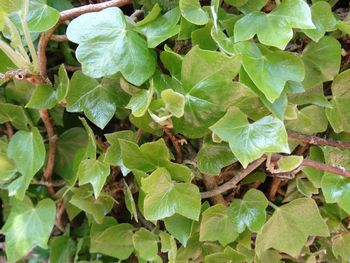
250,141
14,114
174,102
129,51
192,11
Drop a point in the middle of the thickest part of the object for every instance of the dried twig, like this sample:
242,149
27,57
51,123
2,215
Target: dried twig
175,142
210,184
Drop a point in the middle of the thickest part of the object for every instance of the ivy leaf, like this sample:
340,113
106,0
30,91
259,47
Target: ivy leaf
216,224
249,211
323,19
174,102
164,197
335,188
130,202
321,60
43,97
228,255
99,101
7,168
276,28
129,51
151,16
146,244
340,246
212,157
14,114
339,114
289,227
27,226
162,28
270,70
41,17
250,141
98,208
140,102
310,120
120,247
27,150
62,248
314,175
289,163
94,172
180,227
192,11
151,156
208,90
252,6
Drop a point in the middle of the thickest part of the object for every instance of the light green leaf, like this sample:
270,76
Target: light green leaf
228,255
43,97
340,246
216,224
310,120
174,102
94,172
289,227
130,202
269,70
129,51
27,226
314,175
250,141
323,19
312,95
161,28
98,100
339,114
115,241
98,208
27,150
252,6
151,16
306,187
180,227
237,3
335,188
41,17
165,197
90,150
212,157
140,102
321,60
192,11
249,211
202,37
7,168
276,28
146,244
208,90
288,163
14,114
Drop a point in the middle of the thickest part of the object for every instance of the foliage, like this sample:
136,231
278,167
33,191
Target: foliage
175,131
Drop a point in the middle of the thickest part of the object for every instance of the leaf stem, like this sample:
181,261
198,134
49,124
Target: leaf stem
16,58
275,207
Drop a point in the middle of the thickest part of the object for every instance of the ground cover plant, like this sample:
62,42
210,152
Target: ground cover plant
175,131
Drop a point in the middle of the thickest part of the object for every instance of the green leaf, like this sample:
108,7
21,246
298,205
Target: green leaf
249,211
14,114
43,97
192,11
339,114
202,37
174,102
27,150
146,244
228,255
208,90
62,248
288,163
7,168
162,28
216,224
165,197
312,95
151,16
335,188
98,100
180,227
237,3
90,150
276,28
27,226
310,120
129,51
289,227
41,17
98,208
140,102
107,243
94,172
321,60
6,63
340,246
130,202
69,144
250,141
212,157
315,175
323,19
252,6
270,70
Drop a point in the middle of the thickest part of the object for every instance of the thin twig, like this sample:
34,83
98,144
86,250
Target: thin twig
67,15
210,184
317,140
44,115
175,142
59,38
235,180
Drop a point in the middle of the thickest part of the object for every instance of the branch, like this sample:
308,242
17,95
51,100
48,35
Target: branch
59,38
310,139
174,141
235,180
210,184
44,115
67,15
